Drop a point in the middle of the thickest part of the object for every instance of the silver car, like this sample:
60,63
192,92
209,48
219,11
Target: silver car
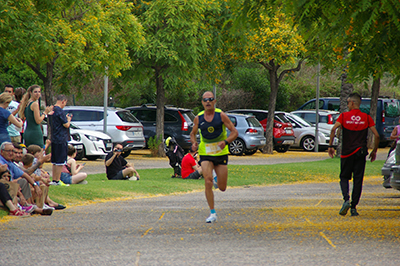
251,134
122,126
326,118
305,134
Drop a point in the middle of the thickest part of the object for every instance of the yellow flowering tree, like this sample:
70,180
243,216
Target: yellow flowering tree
275,44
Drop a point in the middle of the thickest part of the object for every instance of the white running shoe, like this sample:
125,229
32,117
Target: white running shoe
212,218
45,206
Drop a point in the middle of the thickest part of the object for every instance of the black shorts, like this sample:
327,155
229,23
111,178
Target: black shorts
59,153
216,160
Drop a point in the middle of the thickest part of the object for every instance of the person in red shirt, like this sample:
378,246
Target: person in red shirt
354,125
190,168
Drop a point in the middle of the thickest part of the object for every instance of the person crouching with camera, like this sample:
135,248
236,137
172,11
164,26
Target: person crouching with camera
117,168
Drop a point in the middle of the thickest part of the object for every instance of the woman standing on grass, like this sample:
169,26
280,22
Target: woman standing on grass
6,117
30,111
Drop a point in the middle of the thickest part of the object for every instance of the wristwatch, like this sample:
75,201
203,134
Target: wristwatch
226,142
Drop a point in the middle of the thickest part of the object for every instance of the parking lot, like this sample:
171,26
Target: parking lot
273,225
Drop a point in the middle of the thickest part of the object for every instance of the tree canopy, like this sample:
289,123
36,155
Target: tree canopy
72,34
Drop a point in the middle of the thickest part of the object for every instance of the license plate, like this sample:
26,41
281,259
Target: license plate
335,141
289,131
78,147
109,145
262,142
288,142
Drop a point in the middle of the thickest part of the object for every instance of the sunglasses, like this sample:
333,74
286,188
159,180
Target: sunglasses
7,176
208,99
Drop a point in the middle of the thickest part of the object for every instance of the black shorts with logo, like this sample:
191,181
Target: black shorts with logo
216,160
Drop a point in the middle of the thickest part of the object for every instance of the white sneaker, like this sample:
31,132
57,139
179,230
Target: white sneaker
133,178
45,207
215,182
212,218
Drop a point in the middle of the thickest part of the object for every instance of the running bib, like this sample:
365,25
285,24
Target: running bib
212,148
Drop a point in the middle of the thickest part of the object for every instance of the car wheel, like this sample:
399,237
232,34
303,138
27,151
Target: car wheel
126,153
282,149
308,143
92,157
79,155
250,152
236,147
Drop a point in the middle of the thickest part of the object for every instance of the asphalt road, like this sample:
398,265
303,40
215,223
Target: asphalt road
273,225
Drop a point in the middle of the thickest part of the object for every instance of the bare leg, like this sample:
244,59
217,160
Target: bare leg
57,169
207,168
222,174
78,178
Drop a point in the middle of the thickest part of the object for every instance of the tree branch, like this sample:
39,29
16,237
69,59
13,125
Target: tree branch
291,70
266,65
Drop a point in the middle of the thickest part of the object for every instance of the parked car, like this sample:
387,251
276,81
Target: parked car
387,113
251,134
95,144
391,171
178,122
305,134
282,131
122,126
326,118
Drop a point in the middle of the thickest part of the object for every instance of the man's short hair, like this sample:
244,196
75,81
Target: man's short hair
33,148
3,145
17,146
118,143
356,98
61,97
9,86
27,159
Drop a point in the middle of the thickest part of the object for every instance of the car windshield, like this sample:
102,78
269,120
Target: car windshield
299,120
73,126
189,116
253,122
392,108
281,117
126,116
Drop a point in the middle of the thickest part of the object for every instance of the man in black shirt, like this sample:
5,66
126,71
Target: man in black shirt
117,167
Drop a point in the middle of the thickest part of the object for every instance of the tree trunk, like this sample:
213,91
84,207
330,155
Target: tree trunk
273,80
376,84
346,90
160,102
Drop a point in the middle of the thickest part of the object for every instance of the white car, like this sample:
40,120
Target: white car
326,118
305,134
122,126
95,144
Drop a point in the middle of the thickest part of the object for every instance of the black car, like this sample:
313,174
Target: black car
178,122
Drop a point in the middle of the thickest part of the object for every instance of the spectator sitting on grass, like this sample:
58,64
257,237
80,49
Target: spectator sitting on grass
117,167
71,170
6,200
190,168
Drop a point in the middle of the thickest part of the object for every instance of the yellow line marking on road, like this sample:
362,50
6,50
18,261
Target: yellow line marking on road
147,231
308,221
318,203
327,239
162,215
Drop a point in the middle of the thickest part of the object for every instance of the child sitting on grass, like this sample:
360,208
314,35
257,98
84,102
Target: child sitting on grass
71,170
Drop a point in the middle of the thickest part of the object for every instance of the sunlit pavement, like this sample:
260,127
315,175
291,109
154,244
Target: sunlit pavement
294,224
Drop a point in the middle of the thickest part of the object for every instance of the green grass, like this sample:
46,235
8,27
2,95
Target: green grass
159,182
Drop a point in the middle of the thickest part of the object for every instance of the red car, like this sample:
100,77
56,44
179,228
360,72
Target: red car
283,130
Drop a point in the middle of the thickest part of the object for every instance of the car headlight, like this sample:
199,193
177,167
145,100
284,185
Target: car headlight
92,138
326,135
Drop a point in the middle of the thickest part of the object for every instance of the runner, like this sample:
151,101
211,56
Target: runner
213,148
